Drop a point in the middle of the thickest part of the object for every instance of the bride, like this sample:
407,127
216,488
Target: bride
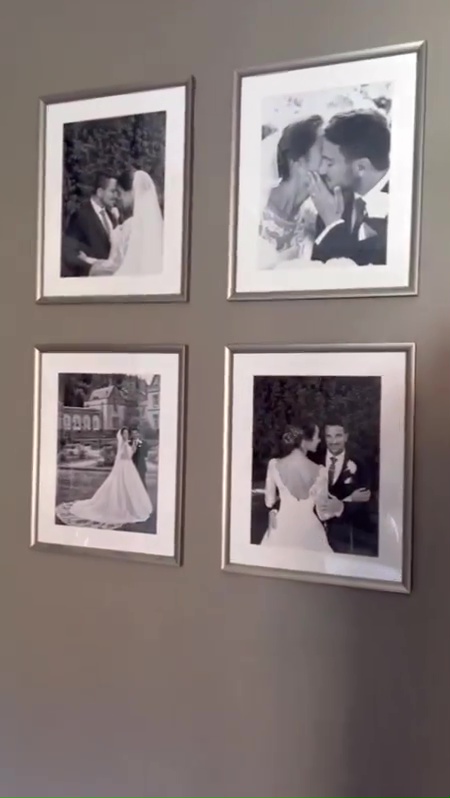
137,244
121,498
288,215
298,483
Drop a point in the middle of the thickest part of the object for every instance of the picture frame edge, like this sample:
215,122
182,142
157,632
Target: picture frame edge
369,53
405,585
59,98
182,296
316,579
418,47
181,350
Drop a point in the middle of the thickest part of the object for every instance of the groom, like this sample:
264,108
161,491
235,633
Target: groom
140,455
351,193
347,522
87,237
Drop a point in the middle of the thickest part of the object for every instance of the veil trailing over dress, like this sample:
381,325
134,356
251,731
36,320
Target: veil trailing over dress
144,253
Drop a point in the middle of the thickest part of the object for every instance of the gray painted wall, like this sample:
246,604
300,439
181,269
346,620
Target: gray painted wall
122,679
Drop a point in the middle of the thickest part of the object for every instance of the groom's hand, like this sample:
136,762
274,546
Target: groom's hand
101,268
329,204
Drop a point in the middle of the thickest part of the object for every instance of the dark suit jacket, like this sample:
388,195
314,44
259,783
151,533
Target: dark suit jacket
354,523
140,459
342,241
86,233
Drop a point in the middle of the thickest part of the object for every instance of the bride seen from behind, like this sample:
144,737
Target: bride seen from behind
296,483
137,243
122,497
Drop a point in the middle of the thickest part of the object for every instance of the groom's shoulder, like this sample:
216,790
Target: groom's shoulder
85,206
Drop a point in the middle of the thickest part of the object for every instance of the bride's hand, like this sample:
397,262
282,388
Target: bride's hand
85,258
289,254
101,268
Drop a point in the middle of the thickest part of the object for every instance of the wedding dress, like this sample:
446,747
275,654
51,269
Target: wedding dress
295,524
137,244
121,498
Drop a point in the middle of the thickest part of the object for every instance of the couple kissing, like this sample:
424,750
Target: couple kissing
329,192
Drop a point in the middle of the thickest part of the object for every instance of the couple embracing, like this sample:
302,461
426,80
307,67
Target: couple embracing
319,506
117,231
326,195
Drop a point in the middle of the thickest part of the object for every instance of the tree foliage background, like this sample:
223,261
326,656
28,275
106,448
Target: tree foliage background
279,401
111,146
284,109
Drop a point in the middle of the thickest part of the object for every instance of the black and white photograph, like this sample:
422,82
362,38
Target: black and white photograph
114,203
318,471
108,451
316,436
328,177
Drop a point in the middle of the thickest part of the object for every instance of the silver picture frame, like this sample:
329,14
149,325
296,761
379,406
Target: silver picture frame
412,288
176,557
112,92
404,585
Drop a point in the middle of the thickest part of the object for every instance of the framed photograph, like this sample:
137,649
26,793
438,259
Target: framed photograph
319,464
114,196
327,176
108,452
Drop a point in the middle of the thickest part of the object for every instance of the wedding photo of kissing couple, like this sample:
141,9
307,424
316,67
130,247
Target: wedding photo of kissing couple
114,179
327,177
330,196
112,221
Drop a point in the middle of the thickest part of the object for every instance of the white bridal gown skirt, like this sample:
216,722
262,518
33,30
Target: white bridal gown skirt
120,499
297,526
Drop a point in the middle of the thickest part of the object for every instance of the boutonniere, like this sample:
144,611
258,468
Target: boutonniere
351,467
378,205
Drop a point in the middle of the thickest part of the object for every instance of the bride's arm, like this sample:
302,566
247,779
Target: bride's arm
270,491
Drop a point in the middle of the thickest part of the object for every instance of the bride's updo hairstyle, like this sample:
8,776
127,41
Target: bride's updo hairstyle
295,434
296,142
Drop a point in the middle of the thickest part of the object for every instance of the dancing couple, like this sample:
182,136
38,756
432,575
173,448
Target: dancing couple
319,506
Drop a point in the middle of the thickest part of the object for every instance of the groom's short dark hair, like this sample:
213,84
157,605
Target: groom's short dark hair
361,134
101,180
335,421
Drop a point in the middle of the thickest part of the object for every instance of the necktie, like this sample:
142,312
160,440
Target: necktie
332,471
360,212
105,222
